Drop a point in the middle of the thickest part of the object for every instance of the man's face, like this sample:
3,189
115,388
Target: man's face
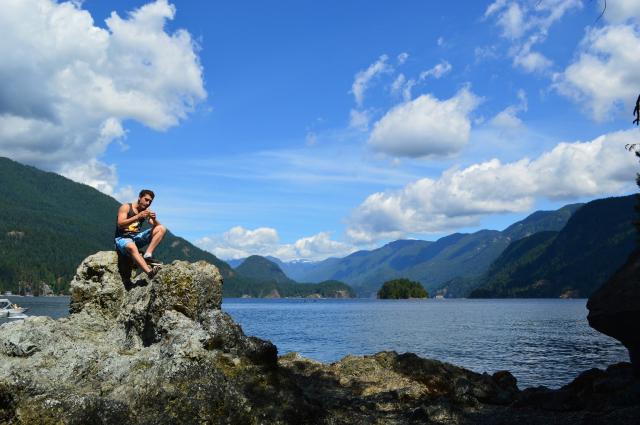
145,202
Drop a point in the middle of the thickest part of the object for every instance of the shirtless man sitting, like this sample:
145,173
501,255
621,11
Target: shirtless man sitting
130,236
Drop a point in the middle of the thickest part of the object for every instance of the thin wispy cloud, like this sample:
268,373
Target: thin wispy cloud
363,78
299,167
526,26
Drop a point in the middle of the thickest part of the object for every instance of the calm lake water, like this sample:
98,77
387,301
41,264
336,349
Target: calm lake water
542,342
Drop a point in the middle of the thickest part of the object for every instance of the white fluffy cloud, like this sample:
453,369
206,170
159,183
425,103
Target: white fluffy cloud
66,85
606,72
461,196
362,78
239,242
316,247
425,126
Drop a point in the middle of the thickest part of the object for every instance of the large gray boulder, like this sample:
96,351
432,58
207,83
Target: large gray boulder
136,350
614,309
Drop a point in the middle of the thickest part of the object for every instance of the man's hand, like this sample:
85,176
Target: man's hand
152,219
146,214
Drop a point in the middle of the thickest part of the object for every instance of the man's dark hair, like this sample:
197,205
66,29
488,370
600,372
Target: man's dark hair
146,192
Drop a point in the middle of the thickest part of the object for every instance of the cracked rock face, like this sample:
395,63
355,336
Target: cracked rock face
161,351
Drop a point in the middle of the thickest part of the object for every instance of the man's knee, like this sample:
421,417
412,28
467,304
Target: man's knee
131,247
160,229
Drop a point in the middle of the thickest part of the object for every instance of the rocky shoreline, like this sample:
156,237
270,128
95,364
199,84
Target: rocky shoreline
161,351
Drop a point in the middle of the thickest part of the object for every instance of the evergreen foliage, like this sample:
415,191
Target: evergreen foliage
573,262
259,268
402,289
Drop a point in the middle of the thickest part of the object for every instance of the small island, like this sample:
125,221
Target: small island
397,289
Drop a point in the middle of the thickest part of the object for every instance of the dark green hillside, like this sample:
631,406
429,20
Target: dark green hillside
259,268
458,287
541,221
397,289
515,263
264,278
49,224
573,262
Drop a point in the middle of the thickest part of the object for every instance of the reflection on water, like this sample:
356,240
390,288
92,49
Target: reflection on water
542,342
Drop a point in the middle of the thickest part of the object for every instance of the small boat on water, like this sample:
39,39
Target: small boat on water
8,309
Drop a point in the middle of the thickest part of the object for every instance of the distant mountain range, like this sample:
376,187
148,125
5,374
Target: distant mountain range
268,280
569,252
433,264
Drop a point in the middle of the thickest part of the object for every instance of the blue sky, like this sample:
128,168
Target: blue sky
309,129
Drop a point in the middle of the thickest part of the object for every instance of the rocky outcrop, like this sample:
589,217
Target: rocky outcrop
161,351
614,309
391,388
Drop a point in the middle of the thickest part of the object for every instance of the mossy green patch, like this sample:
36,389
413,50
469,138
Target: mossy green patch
180,287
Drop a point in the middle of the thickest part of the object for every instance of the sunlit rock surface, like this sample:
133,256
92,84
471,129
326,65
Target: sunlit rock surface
161,351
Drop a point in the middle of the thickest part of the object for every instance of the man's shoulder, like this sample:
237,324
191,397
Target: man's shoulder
124,206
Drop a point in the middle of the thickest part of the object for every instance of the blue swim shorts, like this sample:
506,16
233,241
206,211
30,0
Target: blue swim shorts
141,239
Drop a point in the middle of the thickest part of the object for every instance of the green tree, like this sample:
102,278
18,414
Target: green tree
402,289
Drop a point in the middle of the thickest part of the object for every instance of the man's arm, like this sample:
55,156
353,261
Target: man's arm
153,219
124,222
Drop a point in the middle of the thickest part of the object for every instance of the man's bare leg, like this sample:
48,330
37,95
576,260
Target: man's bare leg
133,251
157,234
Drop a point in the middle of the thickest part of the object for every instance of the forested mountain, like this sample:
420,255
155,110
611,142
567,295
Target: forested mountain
573,262
260,268
456,256
296,269
49,224
268,280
